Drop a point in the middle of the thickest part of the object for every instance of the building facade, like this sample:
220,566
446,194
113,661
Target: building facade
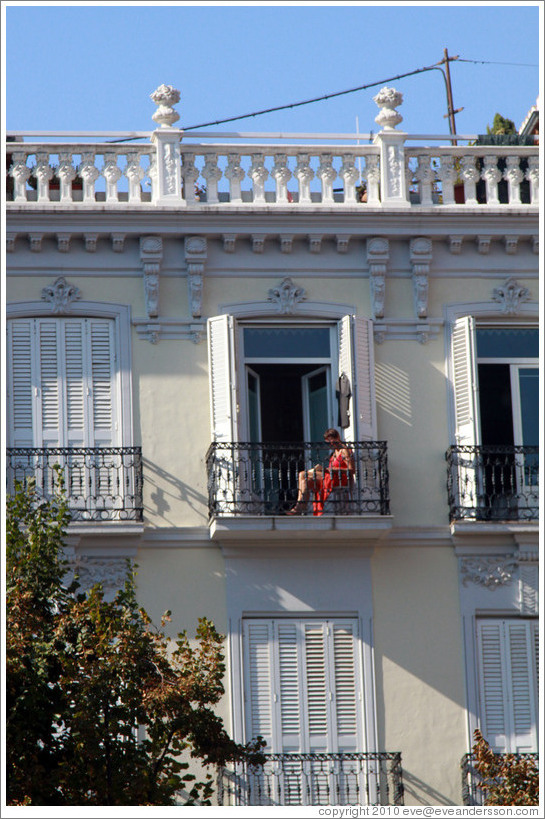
187,317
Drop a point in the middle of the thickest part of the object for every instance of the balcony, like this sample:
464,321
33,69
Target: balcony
472,793
493,483
101,483
315,779
262,479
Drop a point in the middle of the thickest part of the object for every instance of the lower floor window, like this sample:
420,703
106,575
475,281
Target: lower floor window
508,663
302,684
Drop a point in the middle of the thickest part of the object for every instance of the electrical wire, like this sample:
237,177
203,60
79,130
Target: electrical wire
307,102
297,104
491,62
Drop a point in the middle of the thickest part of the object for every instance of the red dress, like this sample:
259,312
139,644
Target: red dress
337,474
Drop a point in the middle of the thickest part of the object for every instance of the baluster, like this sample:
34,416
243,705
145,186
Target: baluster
111,174
66,173
425,176
212,174
152,173
304,174
282,174
89,173
372,176
259,173
470,175
491,175
514,177
190,174
43,173
328,174
134,174
447,175
20,173
235,174
532,175
350,174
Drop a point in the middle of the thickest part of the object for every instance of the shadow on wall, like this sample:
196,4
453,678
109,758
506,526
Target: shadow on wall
393,392
166,489
420,793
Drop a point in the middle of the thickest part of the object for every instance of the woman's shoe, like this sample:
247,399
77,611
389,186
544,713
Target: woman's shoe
298,509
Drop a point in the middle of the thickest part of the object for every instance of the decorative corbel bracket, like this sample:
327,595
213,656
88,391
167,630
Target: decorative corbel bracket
195,257
151,254
61,295
421,255
378,254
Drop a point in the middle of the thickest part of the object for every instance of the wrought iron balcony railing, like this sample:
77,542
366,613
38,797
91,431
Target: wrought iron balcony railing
472,793
493,483
315,779
101,483
262,478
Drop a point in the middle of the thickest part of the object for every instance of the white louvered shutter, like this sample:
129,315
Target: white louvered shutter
346,686
357,361
223,401
508,684
463,352
21,384
258,682
50,411
62,383
523,686
317,688
302,685
101,385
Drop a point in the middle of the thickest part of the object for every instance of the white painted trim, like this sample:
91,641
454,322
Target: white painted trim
267,309
120,314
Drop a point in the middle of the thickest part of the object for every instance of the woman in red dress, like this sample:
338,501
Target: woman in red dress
339,472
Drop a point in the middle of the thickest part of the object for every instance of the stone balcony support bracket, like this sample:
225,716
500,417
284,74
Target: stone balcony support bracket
421,255
151,254
195,257
377,258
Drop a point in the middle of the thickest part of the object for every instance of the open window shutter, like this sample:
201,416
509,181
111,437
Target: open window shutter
521,646
258,682
356,360
21,385
222,378
463,353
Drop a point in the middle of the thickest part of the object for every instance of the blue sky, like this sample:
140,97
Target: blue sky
84,66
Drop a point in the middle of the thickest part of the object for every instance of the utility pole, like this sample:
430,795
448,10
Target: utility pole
451,110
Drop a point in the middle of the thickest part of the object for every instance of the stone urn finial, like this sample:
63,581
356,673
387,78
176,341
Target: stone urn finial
165,97
388,100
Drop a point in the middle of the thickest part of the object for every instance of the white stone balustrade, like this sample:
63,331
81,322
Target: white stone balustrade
172,172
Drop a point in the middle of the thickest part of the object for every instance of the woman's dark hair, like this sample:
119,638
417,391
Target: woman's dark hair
332,433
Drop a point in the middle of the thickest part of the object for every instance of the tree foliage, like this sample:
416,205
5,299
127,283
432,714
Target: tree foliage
101,708
501,125
506,779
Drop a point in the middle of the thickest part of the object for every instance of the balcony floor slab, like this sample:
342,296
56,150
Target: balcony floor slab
300,528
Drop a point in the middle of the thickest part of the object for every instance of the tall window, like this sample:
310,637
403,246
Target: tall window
508,666
275,382
62,383
302,684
